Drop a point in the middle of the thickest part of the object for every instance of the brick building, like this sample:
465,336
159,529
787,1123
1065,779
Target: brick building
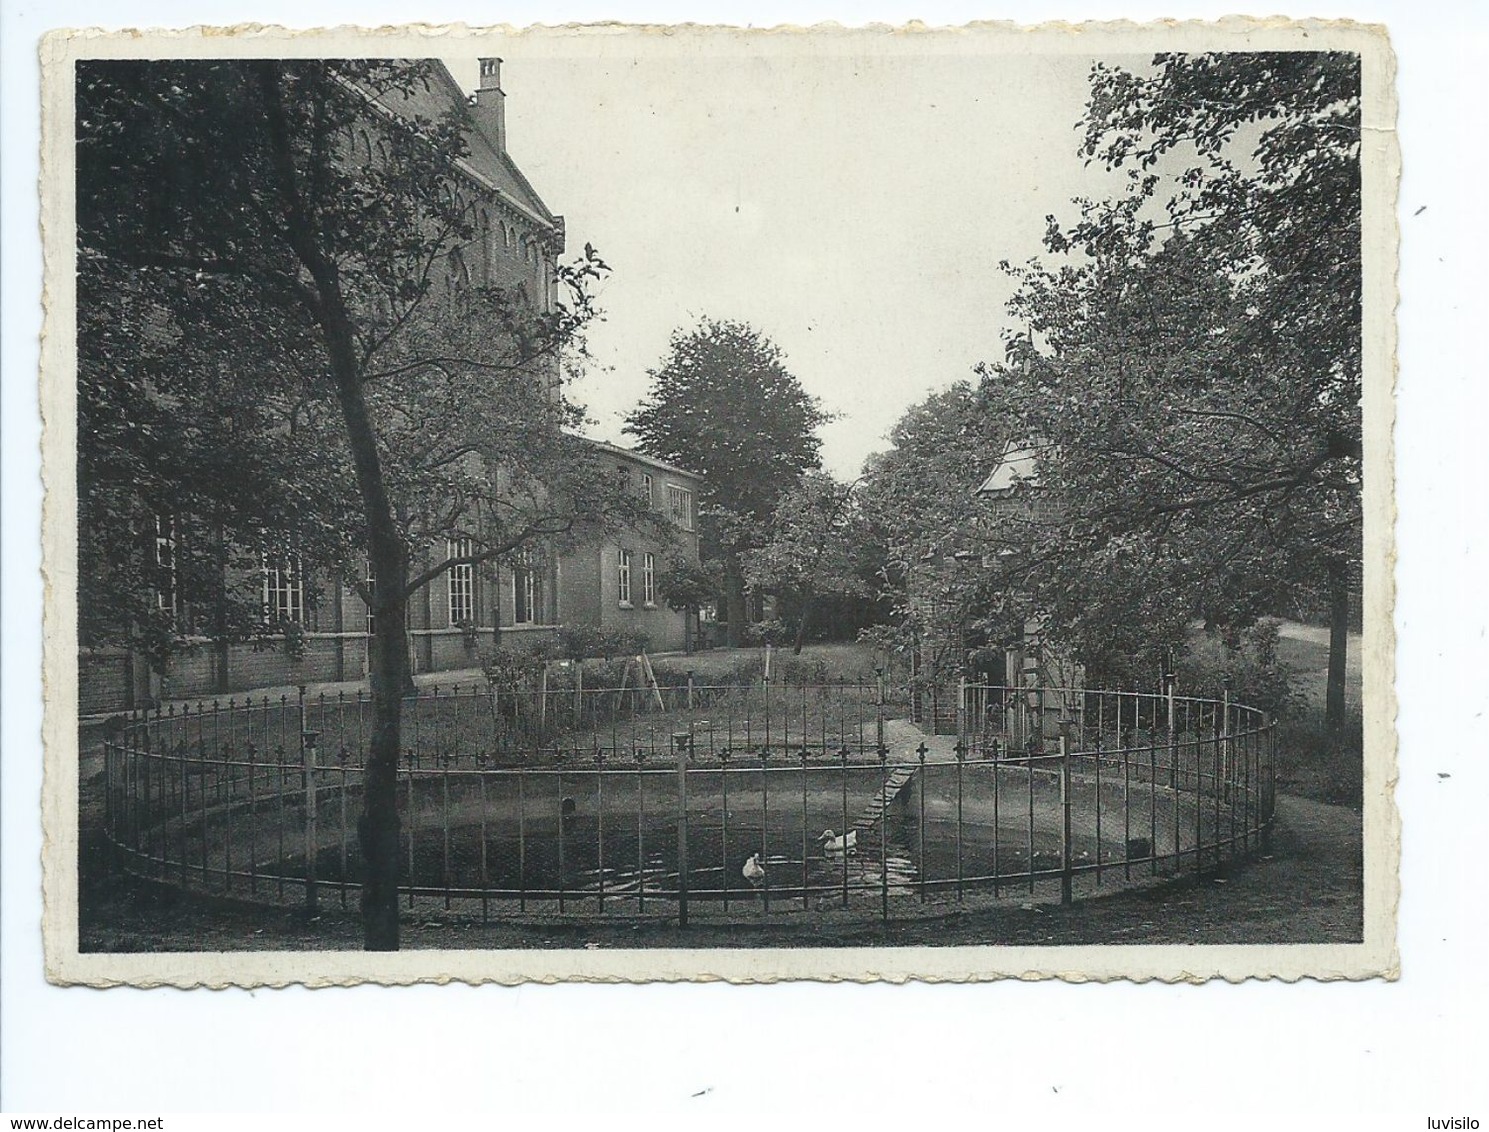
612,585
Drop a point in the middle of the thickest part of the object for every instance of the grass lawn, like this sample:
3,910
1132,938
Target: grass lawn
841,660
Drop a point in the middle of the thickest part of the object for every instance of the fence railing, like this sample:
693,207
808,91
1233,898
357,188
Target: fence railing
741,799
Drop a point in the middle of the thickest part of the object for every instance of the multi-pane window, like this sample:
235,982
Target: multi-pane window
284,589
680,506
462,583
166,599
526,591
649,578
646,489
623,577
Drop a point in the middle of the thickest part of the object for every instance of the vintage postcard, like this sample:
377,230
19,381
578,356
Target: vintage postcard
686,503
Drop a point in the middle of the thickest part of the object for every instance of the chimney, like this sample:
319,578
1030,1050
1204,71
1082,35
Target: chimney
490,111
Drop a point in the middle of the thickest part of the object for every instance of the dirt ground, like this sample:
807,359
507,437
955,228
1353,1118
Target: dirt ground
1307,891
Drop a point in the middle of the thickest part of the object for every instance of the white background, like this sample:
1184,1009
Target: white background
1416,1048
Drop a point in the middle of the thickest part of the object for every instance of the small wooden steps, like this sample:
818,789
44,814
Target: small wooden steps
898,779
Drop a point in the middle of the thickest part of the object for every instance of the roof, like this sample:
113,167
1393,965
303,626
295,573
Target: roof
1019,464
495,170
643,458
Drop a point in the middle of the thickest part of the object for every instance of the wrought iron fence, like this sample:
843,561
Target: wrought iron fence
734,800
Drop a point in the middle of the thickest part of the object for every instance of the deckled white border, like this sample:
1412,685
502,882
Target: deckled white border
1376,956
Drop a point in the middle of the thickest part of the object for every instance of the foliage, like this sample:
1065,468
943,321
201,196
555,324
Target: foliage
205,384
1209,663
920,506
1317,761
269,258
686,585
583,642
578,642
1190,370
772,631
816,544
506,667
723,403
294,639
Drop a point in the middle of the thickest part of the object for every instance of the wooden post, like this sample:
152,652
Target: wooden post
644,662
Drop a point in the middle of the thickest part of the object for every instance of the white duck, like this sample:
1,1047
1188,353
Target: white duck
832,843
754,871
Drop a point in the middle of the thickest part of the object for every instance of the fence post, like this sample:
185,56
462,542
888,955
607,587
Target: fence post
308,739
879,709
961,709
1269,801
921,752
682,742
1225,751
1066,864
1170,681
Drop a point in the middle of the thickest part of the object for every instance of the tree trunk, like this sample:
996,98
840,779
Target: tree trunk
378,827
1338,650
734,600
801,627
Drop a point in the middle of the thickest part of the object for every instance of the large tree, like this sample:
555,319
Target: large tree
723,403
302,363
816,547
1190,366
920,505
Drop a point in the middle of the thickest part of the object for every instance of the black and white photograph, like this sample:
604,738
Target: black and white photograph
855,504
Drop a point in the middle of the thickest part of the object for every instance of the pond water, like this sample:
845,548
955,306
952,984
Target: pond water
633,856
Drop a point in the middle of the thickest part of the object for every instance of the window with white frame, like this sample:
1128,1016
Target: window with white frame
166,599
680,506
462,579
646,489
527,591
649,578
284,589
623,577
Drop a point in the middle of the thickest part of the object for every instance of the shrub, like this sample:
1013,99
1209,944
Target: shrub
627,642
772,632
1247,662
1316,764
578,642
507,667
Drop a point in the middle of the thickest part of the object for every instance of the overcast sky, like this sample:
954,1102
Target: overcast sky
852,205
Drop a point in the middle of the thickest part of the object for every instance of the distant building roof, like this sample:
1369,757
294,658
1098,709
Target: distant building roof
643,458
1019,464
493,168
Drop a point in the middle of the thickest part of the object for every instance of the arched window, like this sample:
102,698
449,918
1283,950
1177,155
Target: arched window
486,244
